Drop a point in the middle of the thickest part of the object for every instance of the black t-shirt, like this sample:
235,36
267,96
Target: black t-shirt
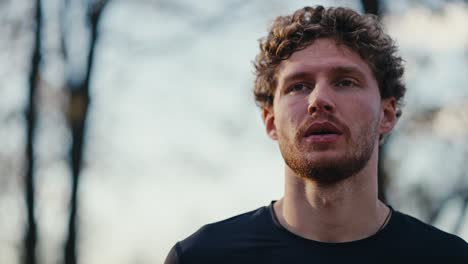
258,237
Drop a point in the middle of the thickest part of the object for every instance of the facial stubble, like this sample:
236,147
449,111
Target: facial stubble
353,160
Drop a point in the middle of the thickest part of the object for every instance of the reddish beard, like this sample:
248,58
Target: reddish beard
353,159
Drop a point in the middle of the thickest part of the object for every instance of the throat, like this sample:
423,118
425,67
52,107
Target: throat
328,227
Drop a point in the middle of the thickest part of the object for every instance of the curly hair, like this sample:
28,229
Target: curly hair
362,33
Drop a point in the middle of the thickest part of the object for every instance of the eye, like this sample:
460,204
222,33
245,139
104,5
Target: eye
346,83
297,88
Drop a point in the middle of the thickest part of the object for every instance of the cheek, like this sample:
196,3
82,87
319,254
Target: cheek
363,113
289,115
297,110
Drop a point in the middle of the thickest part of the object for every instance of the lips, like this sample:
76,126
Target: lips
322,129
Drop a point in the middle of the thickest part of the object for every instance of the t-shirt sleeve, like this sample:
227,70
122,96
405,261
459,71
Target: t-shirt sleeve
172,257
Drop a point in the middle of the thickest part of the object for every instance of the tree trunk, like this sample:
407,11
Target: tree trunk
30,239
382,175
371,7
77,116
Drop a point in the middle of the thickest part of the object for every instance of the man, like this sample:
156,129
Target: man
329,83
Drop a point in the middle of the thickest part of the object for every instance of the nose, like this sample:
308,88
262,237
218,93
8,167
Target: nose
321,99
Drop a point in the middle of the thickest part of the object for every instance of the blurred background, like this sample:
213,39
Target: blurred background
125,125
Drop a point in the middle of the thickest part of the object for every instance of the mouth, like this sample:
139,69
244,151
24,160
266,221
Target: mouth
322,132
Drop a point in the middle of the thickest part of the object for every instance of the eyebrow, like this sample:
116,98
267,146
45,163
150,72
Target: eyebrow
296,76
335,71
347,69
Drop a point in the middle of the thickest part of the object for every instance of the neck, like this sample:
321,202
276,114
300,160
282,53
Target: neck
345,211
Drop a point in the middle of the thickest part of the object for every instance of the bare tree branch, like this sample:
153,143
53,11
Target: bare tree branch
63,28
371,7
30,239
77,116
461,216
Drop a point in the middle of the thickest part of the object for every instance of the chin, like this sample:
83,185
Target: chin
325,156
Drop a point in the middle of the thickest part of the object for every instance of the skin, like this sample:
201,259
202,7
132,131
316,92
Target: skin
330,82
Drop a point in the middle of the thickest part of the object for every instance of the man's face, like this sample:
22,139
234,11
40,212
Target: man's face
327,113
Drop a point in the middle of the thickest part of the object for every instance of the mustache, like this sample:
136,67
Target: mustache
321,117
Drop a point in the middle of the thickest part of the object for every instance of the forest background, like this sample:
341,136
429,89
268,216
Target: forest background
125,125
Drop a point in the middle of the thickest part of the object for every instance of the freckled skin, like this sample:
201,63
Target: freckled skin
312,86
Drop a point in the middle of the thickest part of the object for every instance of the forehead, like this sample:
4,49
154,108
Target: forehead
321,56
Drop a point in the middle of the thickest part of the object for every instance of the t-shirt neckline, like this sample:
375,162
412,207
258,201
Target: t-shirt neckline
380,233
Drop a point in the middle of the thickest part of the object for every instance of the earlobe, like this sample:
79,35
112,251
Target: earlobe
389,118
269,120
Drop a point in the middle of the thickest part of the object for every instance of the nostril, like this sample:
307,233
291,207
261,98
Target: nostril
312,109
320,107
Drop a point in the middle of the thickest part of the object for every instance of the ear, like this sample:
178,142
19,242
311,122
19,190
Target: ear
269,120
388,116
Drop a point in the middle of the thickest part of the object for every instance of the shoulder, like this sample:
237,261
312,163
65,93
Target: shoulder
223,236
429,237
223,230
